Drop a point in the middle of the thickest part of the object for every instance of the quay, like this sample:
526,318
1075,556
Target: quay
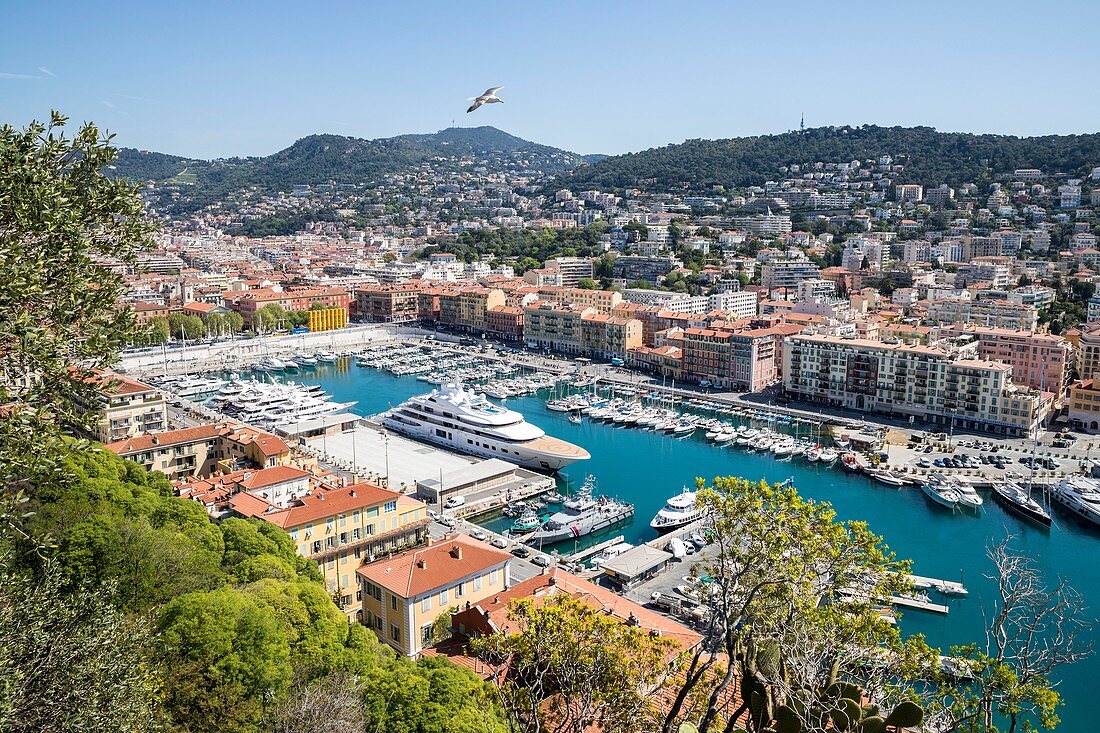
588,552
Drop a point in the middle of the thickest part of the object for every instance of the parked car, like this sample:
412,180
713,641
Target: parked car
542,561
499,542
521,551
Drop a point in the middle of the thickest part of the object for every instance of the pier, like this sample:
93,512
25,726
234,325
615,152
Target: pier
588,552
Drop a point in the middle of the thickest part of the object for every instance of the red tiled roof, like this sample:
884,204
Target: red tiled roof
414,572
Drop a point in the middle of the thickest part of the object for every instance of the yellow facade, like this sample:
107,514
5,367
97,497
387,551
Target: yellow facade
341,541
328,319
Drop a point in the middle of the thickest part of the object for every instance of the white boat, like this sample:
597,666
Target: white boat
575,419
1079,495
582,514
941,492
968,495
326,356
828,456
461,420
887,477
678,511
611,553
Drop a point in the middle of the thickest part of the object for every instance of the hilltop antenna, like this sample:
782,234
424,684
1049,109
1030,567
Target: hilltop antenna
802,125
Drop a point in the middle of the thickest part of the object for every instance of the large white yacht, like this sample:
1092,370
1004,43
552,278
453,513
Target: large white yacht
463,421
678,511
1080,495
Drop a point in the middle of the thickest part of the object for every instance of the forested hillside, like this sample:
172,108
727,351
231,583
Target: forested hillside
930,157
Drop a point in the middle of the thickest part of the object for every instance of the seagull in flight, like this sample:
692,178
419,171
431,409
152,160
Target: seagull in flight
489,96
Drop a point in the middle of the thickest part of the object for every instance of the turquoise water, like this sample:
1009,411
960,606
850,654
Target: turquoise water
646,468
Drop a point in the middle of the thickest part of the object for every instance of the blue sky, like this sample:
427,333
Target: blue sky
210,79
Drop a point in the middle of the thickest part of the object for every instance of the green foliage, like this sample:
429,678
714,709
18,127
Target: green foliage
523,249
320,159
570,663
69,661
930,157
60,217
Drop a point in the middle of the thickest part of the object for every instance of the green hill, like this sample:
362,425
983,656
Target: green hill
930,157
337,159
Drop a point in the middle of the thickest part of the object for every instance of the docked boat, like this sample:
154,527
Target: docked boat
455,418
851,462
941,491
1079,495
326,356
610,554
576,419
1017,500
678,511
828,456
888,477
969,498
582,514
305,360
527,522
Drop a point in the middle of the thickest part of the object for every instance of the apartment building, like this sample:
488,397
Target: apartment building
909,193
571,270
203,450
1084,405
580,331
989,313
505,322
404,595
787,273
467,309
1038,360
247,303
1088,354
605,337
747,358
342,528
677,302
127,406
920,382
736,303
603,301
387,304
644,267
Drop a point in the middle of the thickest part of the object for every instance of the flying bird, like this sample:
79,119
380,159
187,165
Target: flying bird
489,96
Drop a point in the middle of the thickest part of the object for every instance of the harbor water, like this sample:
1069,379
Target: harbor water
646,468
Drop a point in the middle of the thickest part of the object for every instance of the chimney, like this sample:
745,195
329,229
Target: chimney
156,441
321,495
456,552
420,563
352,494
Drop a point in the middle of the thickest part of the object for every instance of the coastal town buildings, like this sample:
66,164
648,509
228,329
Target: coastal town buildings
403,596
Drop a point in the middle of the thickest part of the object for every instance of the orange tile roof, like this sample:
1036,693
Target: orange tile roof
419,571
327,502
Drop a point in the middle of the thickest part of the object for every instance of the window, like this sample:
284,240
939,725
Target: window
459,591
395,633
443,597
477,583
426,604
393,602
426,635
492,577
391,506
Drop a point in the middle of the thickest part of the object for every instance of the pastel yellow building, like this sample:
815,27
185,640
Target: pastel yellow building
327,319
342,528
404,595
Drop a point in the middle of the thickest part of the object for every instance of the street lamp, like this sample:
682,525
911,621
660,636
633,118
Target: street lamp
386,437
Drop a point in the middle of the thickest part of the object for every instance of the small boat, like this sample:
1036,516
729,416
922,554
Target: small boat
527,522
888,477
850,462
575,419
828,456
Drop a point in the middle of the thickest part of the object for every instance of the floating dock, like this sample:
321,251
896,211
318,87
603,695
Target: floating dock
594,549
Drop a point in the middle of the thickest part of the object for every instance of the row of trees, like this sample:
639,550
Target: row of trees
161,330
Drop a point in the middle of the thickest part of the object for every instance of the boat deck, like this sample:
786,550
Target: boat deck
557,447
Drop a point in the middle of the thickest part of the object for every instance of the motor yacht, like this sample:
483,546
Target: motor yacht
678,511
